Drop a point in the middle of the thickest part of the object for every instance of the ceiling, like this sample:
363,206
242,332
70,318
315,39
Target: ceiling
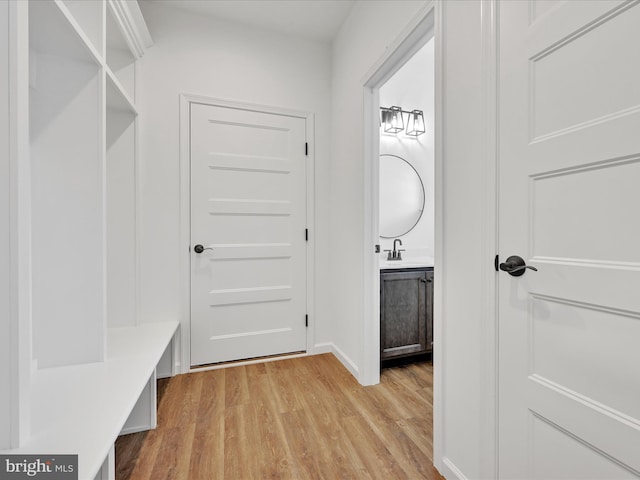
314,19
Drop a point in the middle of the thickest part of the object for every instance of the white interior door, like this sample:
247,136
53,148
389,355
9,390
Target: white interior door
569,334
248,209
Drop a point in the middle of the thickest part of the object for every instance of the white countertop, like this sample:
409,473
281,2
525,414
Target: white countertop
409,262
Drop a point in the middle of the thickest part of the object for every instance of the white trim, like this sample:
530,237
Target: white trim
102,248
404,46
330,347
450,471
137,207
411,39
371,308
20,226
489,246
426,24
438,272
489,242
131,22
183,361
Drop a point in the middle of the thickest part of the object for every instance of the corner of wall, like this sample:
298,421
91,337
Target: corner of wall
347,362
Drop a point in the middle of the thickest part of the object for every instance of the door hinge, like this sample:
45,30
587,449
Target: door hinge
496,262
306,149
377,249
306,320
306,234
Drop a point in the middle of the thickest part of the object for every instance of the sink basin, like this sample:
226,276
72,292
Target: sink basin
407,263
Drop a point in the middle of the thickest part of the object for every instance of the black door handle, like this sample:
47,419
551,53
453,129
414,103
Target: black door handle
199,248
515,266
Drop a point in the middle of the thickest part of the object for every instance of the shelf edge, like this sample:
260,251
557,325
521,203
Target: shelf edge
87,43
111,77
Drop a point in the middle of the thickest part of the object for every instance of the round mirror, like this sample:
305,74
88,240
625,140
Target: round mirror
401,196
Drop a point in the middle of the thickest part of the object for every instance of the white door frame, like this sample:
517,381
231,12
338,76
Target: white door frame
414,37
427,22
185,216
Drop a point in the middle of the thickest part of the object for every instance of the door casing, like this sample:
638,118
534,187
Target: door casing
414,37
430,21
185,219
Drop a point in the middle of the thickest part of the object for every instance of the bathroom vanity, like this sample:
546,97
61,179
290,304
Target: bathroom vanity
406,311
406,277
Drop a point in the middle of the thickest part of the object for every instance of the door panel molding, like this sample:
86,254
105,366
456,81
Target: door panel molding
567,351
247,164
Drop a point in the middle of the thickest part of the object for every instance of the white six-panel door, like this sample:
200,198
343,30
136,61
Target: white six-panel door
569,334
248,204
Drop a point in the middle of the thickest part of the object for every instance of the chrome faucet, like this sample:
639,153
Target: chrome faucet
396,254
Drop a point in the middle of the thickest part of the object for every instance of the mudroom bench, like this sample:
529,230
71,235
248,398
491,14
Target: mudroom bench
82,409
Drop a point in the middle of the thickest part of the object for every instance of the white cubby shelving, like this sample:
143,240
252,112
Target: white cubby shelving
120,56
88,14
121,212
65,130
90,367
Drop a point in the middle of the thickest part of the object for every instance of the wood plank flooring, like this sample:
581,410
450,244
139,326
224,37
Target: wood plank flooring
300,418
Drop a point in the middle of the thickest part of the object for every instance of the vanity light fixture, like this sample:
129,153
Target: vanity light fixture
393,122
392,119
415,124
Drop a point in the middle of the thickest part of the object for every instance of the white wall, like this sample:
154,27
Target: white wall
412,87
5,245
362,40
199,55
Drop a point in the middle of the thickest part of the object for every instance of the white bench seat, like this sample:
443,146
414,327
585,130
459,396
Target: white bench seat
82,409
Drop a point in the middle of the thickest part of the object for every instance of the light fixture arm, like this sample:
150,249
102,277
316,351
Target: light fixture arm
389,108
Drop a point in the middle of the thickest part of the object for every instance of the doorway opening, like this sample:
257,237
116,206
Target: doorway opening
421,32
414,50
406,210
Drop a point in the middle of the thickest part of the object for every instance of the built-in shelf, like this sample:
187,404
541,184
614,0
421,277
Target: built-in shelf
121,209
117,97
82,409
88,15
54,31
84,365
67,185
119,56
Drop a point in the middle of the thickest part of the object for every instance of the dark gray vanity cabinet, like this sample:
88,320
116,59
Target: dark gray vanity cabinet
406,312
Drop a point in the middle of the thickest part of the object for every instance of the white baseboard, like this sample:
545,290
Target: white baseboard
450,471
130,430
330,347
320,348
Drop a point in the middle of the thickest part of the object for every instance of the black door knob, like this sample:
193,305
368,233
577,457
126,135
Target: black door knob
515,266
199,248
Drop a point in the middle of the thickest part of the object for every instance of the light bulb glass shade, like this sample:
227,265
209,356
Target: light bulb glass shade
392,120
415,124
384,114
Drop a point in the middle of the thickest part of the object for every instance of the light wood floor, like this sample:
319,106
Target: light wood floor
301,418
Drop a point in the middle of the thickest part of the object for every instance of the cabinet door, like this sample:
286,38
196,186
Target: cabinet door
403,310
